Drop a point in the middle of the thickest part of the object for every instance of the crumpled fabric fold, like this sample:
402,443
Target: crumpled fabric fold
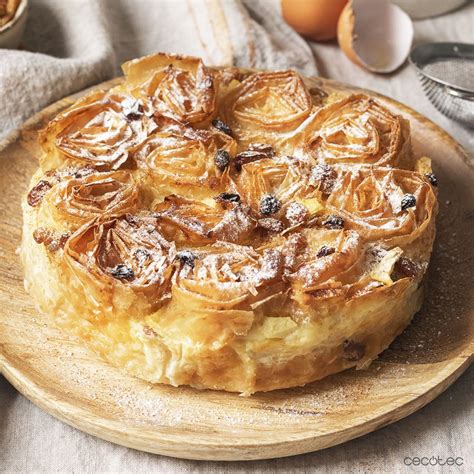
71,45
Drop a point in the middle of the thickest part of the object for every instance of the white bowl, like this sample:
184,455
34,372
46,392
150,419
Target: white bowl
418,9
12,32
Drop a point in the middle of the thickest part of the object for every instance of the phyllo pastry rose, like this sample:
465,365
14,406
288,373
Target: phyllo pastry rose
279,191
224,279
175,86
99,130
67,198
81,195
283,177
178,158
82,199
392,206
332,259
120,265
190,221
266,107
358,130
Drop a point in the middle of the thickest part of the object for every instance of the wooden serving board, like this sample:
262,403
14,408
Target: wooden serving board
67,380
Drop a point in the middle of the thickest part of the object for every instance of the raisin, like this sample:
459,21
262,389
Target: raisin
325,293
432,179
186,257
222,159
333,222
318,94
142,255
323,177
228,197
132,109
35,196
408,201
324,251
82,172
52,240
42,235
296,213
131,219
123,272
269,204
353,351
376,252
255,152
297,243
406,267
148,331
213,182
222,127
263,148
63,238
271,224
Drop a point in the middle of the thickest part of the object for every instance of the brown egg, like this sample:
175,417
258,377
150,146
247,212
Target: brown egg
315,19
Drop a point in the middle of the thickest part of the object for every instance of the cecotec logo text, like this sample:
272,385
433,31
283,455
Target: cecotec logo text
433,461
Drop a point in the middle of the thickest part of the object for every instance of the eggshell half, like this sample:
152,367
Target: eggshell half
375,34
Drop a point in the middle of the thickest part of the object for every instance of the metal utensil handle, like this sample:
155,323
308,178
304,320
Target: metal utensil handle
458,93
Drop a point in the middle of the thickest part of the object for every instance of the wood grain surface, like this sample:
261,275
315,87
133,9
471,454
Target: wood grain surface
67,380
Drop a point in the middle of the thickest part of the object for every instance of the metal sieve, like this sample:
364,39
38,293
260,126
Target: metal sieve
446,73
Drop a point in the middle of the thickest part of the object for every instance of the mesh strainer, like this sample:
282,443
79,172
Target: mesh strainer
446,72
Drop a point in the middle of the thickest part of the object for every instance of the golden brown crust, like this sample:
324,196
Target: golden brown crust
228,230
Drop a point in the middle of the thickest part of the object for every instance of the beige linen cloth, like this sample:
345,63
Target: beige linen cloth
72,44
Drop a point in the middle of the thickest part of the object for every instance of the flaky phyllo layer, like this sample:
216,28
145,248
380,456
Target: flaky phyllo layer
228,229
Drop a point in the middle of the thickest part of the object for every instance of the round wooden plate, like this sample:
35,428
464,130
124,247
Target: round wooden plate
73,384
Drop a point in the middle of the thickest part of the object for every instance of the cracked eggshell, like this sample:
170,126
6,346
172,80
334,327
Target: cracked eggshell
375,34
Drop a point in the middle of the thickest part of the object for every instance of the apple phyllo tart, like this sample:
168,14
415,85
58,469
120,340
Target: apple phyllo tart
228,229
